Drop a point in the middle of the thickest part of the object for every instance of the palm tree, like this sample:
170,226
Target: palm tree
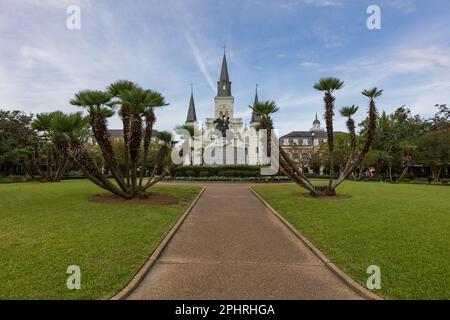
115,89
189,142
98,105
70,130
165,141
329,85
288,167
56,161
152,101
348,112
263,110
353,161
137,100
373,115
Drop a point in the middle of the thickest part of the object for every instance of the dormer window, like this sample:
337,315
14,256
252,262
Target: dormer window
295,141
286,142
305,142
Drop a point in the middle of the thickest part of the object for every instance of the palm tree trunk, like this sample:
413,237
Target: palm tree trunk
82,158
99,128
166,172
135,145
329,113
370,136
149,119
125,113
348,167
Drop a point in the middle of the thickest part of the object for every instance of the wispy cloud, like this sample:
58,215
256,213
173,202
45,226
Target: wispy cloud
324,3
309,64
199,60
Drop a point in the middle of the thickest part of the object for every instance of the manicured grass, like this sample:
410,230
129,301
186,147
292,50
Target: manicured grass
44,228
403,229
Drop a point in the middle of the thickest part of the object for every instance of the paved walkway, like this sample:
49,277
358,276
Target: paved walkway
231,247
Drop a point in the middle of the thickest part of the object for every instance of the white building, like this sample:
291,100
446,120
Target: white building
240,146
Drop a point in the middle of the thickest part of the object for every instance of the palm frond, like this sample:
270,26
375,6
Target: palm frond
72,125
164,136
117,87
348,111
329,84
265,108
372,93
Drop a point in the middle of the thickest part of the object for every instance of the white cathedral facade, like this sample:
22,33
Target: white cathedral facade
238,146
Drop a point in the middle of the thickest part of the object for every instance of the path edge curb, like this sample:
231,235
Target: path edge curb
142,272
355,286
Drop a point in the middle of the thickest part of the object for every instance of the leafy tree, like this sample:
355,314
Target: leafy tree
441,120
434,151
17,137
395,141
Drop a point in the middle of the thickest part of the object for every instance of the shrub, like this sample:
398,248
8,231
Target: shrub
204,174
190,173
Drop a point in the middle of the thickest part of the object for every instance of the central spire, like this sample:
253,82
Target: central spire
224,83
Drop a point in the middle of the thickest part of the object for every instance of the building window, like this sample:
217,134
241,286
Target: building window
286,142
305,142
295,141
316,142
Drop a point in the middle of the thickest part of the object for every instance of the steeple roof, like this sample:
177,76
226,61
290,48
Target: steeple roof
255,118
224,83
317,120
224,71
191,116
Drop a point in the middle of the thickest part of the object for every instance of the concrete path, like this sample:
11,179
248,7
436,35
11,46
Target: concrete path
231,247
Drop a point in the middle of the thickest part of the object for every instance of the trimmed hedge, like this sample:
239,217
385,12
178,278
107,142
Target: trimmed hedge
209,171
260,179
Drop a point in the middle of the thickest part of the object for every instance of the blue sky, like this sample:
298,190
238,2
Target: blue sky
284,46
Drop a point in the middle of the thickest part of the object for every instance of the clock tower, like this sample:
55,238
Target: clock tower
224,100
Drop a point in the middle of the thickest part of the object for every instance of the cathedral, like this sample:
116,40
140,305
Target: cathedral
225,140
236,144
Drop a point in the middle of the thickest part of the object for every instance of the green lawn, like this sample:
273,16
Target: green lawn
404,229
44,228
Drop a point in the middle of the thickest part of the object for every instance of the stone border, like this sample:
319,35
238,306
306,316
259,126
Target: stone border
355,286
125,292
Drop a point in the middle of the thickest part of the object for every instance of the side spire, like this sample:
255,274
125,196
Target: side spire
255,118
191,116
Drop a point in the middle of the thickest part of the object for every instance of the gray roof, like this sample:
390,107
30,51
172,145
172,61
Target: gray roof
255,118
118,133
308,134
191,116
